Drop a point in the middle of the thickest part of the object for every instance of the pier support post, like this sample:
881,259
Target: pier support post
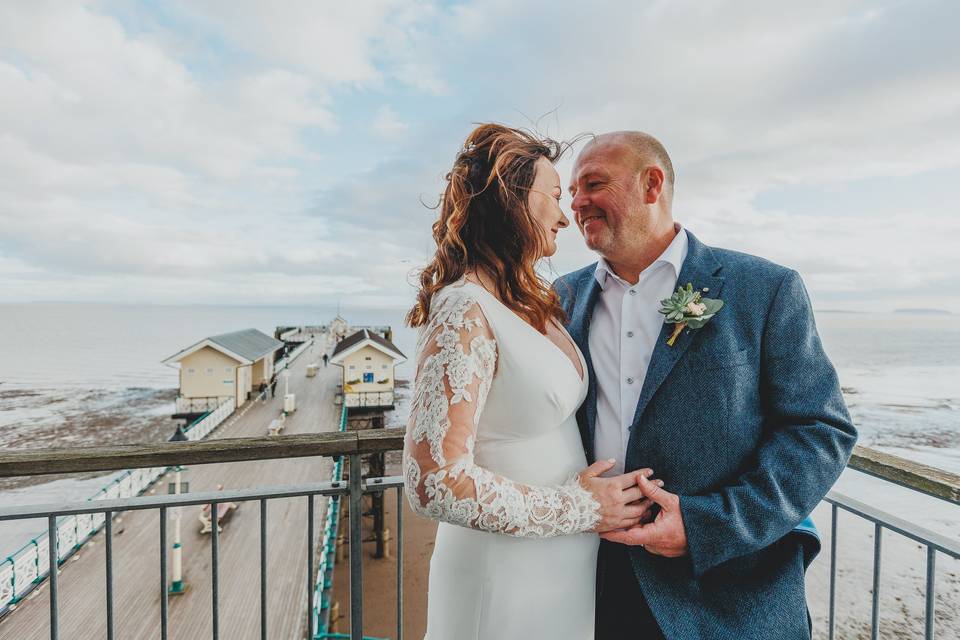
356,548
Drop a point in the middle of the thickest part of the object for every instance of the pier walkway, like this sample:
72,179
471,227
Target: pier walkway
136,555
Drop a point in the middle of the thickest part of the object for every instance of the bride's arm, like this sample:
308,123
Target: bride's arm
456,360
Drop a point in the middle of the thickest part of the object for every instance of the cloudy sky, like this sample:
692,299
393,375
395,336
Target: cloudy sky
271,153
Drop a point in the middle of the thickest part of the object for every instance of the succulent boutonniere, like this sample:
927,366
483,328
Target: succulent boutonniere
688,308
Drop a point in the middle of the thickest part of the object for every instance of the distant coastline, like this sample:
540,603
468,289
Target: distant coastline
906,311
926,312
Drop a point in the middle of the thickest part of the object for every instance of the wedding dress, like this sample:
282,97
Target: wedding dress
492,451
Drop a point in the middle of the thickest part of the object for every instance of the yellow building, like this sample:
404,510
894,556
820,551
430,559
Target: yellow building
368,360
230,365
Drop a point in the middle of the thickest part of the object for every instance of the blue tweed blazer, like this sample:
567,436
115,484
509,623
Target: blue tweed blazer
745,421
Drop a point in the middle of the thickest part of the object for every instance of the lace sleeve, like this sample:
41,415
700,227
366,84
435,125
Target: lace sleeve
456,359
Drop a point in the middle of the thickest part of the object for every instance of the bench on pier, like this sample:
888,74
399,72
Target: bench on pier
224,511
276,425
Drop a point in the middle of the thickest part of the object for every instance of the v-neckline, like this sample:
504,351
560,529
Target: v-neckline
581,371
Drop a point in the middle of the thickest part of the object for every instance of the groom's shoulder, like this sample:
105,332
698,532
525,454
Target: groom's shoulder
740,265
566,285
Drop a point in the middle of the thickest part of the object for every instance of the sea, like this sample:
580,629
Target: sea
84,374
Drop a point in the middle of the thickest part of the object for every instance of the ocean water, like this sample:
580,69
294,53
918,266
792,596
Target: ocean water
80,374
900,373
85,373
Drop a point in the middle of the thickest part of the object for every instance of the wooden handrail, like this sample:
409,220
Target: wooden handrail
31,462
907,473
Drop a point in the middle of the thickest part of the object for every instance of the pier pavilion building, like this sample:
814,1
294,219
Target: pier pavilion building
221,367
369,361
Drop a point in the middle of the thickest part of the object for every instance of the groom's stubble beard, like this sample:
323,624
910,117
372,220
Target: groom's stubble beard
603,240
617,239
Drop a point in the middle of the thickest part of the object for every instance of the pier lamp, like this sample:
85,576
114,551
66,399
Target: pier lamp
177,487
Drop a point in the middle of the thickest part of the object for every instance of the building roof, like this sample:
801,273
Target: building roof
362,338
245,346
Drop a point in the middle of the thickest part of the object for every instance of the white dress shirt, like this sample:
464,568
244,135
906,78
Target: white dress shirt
623,332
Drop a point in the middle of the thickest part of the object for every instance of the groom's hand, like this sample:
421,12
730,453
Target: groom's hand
666,535
621,503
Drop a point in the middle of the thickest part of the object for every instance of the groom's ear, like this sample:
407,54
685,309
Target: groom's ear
651,184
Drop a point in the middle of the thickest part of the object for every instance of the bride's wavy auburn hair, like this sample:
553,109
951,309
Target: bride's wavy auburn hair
485,224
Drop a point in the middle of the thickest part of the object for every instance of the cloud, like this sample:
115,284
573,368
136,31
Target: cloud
388,125
289,151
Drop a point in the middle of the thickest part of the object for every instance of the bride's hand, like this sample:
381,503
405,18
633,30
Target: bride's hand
622,505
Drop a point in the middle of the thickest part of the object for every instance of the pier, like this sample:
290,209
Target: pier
136,557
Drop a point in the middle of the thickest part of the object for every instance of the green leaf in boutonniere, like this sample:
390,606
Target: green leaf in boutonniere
688,308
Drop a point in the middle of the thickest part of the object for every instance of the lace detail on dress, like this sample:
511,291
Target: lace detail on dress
457,357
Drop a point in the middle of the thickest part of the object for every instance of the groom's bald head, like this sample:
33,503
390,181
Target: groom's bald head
640,150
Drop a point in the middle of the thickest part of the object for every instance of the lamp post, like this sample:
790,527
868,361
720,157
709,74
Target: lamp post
177,585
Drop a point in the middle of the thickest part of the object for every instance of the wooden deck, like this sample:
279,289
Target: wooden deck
82,595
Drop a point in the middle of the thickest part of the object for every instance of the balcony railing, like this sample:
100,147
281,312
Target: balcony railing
353,445
200,405
920,478
368,399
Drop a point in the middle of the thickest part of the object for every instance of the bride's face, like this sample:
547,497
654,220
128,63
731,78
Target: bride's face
544,204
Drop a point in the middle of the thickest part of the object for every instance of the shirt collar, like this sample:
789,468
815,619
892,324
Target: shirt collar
674,255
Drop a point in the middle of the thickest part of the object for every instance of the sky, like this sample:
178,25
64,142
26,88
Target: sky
255,153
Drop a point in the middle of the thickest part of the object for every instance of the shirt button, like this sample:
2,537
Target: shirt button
633,292
629,380
629,334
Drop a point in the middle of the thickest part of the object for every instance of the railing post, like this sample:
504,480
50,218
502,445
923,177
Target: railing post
833,570
108,540
310,583
875,618
931,592
263,569
52,544
399,563
356,549
163,573
215,569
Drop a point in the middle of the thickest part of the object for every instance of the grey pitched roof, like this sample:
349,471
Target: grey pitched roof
365,334
249,343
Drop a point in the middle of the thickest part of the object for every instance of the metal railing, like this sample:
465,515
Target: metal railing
25,568
199,405
921,478
368,399
285,361
353,445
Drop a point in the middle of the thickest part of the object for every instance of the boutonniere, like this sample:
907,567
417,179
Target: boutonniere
688,308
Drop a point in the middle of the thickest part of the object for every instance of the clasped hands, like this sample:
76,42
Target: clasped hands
626,508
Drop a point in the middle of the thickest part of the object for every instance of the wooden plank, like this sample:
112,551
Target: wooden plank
378,440
919,477
130,456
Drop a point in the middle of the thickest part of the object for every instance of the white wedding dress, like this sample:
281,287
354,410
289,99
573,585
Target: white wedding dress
492,451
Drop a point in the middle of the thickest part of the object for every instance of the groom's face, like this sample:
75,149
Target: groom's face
607,200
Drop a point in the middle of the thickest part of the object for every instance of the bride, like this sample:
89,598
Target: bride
492,447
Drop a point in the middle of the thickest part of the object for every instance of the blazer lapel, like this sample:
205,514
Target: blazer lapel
588,289
699,268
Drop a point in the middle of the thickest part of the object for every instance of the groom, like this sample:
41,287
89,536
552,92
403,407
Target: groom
742,418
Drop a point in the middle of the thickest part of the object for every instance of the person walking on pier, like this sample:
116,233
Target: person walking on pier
273,387
325,359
